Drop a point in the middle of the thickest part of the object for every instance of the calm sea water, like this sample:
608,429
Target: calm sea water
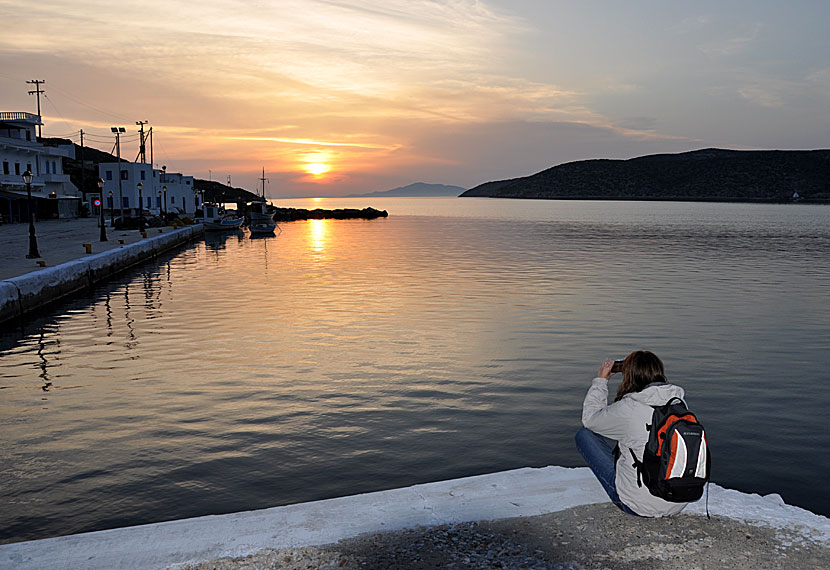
454,338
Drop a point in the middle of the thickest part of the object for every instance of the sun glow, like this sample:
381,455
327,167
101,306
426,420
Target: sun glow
316,168
317,163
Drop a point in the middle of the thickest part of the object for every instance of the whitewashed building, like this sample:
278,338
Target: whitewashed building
156,184
55,196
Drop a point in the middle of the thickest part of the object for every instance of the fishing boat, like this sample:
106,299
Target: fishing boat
215,220
261,222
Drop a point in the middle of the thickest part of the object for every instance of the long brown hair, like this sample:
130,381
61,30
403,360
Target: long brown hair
640,368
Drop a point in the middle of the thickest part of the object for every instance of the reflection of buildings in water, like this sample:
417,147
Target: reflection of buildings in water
108,306
128,319
44,363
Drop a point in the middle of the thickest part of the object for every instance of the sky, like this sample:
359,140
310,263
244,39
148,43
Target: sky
336,97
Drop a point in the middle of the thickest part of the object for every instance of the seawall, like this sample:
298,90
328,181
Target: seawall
516,494
22,295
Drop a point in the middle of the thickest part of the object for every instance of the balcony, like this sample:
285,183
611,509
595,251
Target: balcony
20,116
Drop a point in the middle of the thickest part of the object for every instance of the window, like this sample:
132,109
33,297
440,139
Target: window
109,202
143,174
125,175
149,200
109,174
5,167
17,168
125,201
187,182
54,167
28,135
46,164
158,202
172,199
29,168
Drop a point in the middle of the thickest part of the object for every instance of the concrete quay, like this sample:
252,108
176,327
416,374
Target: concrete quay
517,498
65,267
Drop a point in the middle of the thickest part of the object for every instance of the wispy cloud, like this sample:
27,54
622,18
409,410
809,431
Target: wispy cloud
733,45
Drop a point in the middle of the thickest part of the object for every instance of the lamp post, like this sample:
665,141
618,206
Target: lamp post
164,188
33,252
140,208
103,223
112,210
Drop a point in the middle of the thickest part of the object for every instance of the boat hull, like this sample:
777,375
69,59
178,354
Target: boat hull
223,225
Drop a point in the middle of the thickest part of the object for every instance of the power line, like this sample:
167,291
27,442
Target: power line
87,105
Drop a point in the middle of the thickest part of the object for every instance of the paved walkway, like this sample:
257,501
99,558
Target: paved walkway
58,241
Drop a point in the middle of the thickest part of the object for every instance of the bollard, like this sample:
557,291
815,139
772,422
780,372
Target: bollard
42,263
88,247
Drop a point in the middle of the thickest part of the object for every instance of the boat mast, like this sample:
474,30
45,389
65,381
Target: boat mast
263,179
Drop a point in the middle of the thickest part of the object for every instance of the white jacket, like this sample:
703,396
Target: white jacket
625,421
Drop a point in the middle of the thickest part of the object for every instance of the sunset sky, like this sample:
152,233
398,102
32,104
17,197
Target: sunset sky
337,97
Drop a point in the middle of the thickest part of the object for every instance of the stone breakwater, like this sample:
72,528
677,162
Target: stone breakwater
28,292
295,214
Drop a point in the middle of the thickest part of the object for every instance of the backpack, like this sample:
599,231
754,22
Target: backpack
676,460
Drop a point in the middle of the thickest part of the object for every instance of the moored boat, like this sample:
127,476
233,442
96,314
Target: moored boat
261,221
215,220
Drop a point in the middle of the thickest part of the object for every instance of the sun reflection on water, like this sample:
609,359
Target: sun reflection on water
317,234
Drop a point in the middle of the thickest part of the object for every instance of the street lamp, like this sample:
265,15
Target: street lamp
164,188
103,223
33,252
112,210
140,208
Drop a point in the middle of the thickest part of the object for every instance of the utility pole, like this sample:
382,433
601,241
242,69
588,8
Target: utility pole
83,167
142,150
229,180
118,131
36,83
150,132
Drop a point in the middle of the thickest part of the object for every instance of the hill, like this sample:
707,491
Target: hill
705,175
418,189
214,191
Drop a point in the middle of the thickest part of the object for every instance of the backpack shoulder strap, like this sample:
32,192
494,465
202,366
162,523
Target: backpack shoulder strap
638,465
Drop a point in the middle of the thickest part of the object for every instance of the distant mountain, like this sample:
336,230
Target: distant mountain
418,189
705,175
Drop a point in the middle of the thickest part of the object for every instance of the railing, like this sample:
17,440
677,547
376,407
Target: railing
18,116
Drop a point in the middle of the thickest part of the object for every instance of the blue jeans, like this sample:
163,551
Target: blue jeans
598,452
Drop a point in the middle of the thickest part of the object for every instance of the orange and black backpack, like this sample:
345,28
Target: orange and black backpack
676,461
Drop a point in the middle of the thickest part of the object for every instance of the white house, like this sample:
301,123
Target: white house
53,193
160,190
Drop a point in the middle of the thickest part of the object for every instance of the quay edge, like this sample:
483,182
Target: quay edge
22,295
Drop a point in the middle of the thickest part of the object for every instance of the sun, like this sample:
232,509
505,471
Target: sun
316,168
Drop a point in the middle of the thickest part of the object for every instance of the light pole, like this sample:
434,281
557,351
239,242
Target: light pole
112,210
33,252
164,188
118,131
103,223
140,208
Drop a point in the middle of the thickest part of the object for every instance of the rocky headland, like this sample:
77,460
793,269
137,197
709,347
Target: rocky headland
294,214
701,175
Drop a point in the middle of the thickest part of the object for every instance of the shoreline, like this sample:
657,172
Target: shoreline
26,287
517,496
